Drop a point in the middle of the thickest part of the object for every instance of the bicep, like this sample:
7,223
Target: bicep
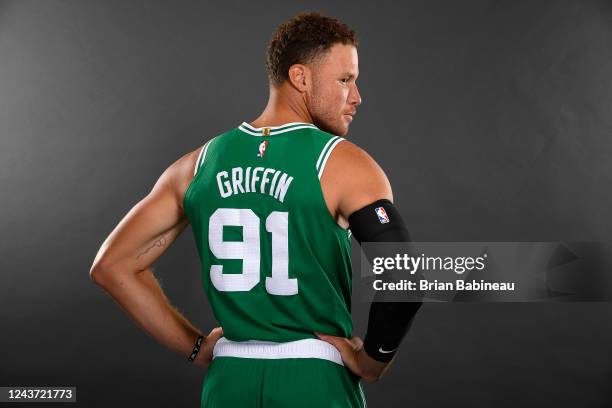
359,179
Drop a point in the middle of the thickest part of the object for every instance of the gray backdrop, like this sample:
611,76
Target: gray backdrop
491,119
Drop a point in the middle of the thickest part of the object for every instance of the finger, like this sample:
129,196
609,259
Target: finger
328,338
346,349
357,342
344,346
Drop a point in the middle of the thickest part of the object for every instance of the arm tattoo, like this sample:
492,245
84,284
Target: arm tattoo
159,243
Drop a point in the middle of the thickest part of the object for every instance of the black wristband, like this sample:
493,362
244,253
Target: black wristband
196,349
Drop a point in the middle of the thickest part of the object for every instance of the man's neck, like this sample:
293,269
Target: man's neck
285,105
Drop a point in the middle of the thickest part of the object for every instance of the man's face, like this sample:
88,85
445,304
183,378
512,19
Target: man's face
333,99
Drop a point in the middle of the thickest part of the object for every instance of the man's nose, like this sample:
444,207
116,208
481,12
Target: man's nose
355,97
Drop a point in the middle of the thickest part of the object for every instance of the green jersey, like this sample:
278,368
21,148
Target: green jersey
275,264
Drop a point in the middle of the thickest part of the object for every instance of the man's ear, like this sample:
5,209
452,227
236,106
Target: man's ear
299,76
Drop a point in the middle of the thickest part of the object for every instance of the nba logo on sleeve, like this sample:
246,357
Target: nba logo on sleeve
382,215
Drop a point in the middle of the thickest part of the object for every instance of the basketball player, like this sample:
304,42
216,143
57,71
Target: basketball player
270,203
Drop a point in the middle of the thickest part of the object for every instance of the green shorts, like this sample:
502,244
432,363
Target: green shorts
270,375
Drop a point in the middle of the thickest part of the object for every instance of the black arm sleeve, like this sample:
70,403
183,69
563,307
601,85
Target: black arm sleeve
388,322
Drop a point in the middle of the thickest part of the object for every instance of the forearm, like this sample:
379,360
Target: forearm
380,223
143,299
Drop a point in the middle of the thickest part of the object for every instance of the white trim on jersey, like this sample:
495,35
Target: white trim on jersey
245,130
327,154
201,157
275,127
329,142
275,130
306,348
365,404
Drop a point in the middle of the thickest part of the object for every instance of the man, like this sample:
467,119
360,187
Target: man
270,203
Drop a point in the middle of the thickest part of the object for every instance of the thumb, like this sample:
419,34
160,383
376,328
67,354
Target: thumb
215,334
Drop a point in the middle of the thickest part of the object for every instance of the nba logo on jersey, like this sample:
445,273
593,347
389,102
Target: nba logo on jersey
262,148
382,215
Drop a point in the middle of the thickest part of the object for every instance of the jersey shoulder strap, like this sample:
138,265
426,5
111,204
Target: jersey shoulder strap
205,150
201,156
324,145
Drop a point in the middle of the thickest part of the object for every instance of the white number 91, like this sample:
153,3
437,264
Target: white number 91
248,250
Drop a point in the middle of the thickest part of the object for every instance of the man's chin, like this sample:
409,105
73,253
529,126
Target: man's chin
338,130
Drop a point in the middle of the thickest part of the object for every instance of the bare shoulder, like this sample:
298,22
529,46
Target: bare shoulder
179,174
352,179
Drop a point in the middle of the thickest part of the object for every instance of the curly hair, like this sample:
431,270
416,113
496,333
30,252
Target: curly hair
301,40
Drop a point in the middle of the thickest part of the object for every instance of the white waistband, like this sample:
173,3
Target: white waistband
306,348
